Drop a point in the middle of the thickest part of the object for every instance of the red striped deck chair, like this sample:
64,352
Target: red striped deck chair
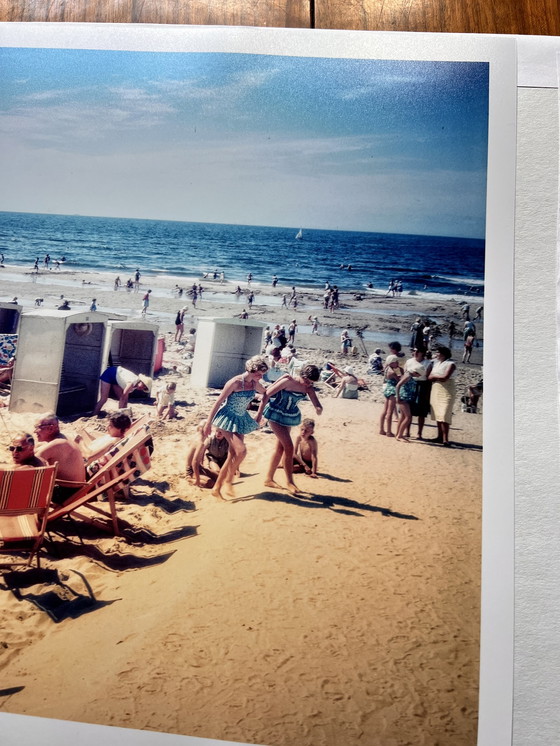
112,480
25,497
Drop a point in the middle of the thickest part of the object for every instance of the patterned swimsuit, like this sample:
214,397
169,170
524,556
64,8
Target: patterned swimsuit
283,408
233,416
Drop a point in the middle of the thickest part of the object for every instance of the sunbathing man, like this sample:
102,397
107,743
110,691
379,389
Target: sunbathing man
23,452
57,448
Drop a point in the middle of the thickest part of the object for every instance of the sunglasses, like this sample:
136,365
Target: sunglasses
17,449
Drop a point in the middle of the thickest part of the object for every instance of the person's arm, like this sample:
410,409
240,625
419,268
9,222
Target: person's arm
278,385
406,377
315,401
123,401
228,389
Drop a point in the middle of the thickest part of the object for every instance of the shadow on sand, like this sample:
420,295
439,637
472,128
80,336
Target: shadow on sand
58,599
336,504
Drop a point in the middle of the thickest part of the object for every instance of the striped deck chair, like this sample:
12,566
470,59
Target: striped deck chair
142,424
25,497
128,460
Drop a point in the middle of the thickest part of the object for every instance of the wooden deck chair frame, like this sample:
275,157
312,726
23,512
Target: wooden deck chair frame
112,480
25,498
138,425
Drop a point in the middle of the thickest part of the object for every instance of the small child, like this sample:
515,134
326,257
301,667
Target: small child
306,450
376,362
165,401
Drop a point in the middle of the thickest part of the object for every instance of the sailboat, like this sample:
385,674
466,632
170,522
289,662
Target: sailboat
299,234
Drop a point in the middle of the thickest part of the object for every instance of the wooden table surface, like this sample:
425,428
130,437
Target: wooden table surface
467,16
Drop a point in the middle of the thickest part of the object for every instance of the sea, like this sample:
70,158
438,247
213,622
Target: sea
427,266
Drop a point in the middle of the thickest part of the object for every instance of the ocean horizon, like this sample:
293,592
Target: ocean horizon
426,265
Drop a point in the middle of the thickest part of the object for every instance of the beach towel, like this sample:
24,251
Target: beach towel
8,345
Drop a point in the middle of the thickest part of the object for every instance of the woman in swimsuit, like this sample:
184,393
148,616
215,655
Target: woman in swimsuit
280,406
229,413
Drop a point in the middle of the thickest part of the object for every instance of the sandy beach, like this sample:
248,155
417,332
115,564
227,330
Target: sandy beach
348,615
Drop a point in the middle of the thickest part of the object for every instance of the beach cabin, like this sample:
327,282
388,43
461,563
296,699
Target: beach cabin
59,359
223,345
9,317
132,344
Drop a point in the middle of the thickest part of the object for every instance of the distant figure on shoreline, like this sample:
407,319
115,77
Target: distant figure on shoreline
117,284
137,281
274,281
146,302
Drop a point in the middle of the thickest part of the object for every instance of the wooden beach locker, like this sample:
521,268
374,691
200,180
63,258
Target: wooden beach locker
132,344
10,314
223,345
58,362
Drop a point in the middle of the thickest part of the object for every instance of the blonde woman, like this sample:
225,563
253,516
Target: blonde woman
230,414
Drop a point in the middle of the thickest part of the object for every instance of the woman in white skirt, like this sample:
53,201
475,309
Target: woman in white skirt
442,396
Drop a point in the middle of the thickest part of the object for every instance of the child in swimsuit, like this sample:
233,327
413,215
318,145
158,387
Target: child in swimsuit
305,449
280,406
229,413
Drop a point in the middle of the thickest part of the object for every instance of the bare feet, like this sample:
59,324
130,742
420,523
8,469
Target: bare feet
272,483
402,440
216,493
292,488
390,435
382,432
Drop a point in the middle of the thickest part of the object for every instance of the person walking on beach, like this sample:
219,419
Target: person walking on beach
137,281
274,281
117,283
442,395
229,413
93,306
280,406
250,299
292,329
146,302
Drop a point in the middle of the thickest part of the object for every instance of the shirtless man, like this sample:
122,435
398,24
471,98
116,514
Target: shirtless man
23,452
55,447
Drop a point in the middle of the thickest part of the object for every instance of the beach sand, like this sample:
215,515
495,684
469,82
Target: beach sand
347,615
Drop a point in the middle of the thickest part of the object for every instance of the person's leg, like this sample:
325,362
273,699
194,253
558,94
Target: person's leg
383,416
284,447
444,432
404,420
104,391
236,453
389,417
421,421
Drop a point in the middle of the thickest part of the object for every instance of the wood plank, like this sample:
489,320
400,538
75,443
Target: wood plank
541,17
280,13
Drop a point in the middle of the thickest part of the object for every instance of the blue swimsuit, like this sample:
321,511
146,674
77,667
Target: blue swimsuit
283,408
233,417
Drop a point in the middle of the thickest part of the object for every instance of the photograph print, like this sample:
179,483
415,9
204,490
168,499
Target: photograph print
269,273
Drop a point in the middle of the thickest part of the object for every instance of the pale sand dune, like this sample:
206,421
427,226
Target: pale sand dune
348,616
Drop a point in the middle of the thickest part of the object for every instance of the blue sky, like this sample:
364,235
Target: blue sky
395,146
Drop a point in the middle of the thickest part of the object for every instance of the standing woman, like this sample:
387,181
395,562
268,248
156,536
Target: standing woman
413,394
443,393
280,406
229,413
179,325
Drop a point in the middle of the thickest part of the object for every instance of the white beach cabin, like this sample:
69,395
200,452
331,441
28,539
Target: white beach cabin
132,344
59,359
223,345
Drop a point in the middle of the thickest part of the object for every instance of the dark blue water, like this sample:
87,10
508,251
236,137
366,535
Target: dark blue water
425,264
